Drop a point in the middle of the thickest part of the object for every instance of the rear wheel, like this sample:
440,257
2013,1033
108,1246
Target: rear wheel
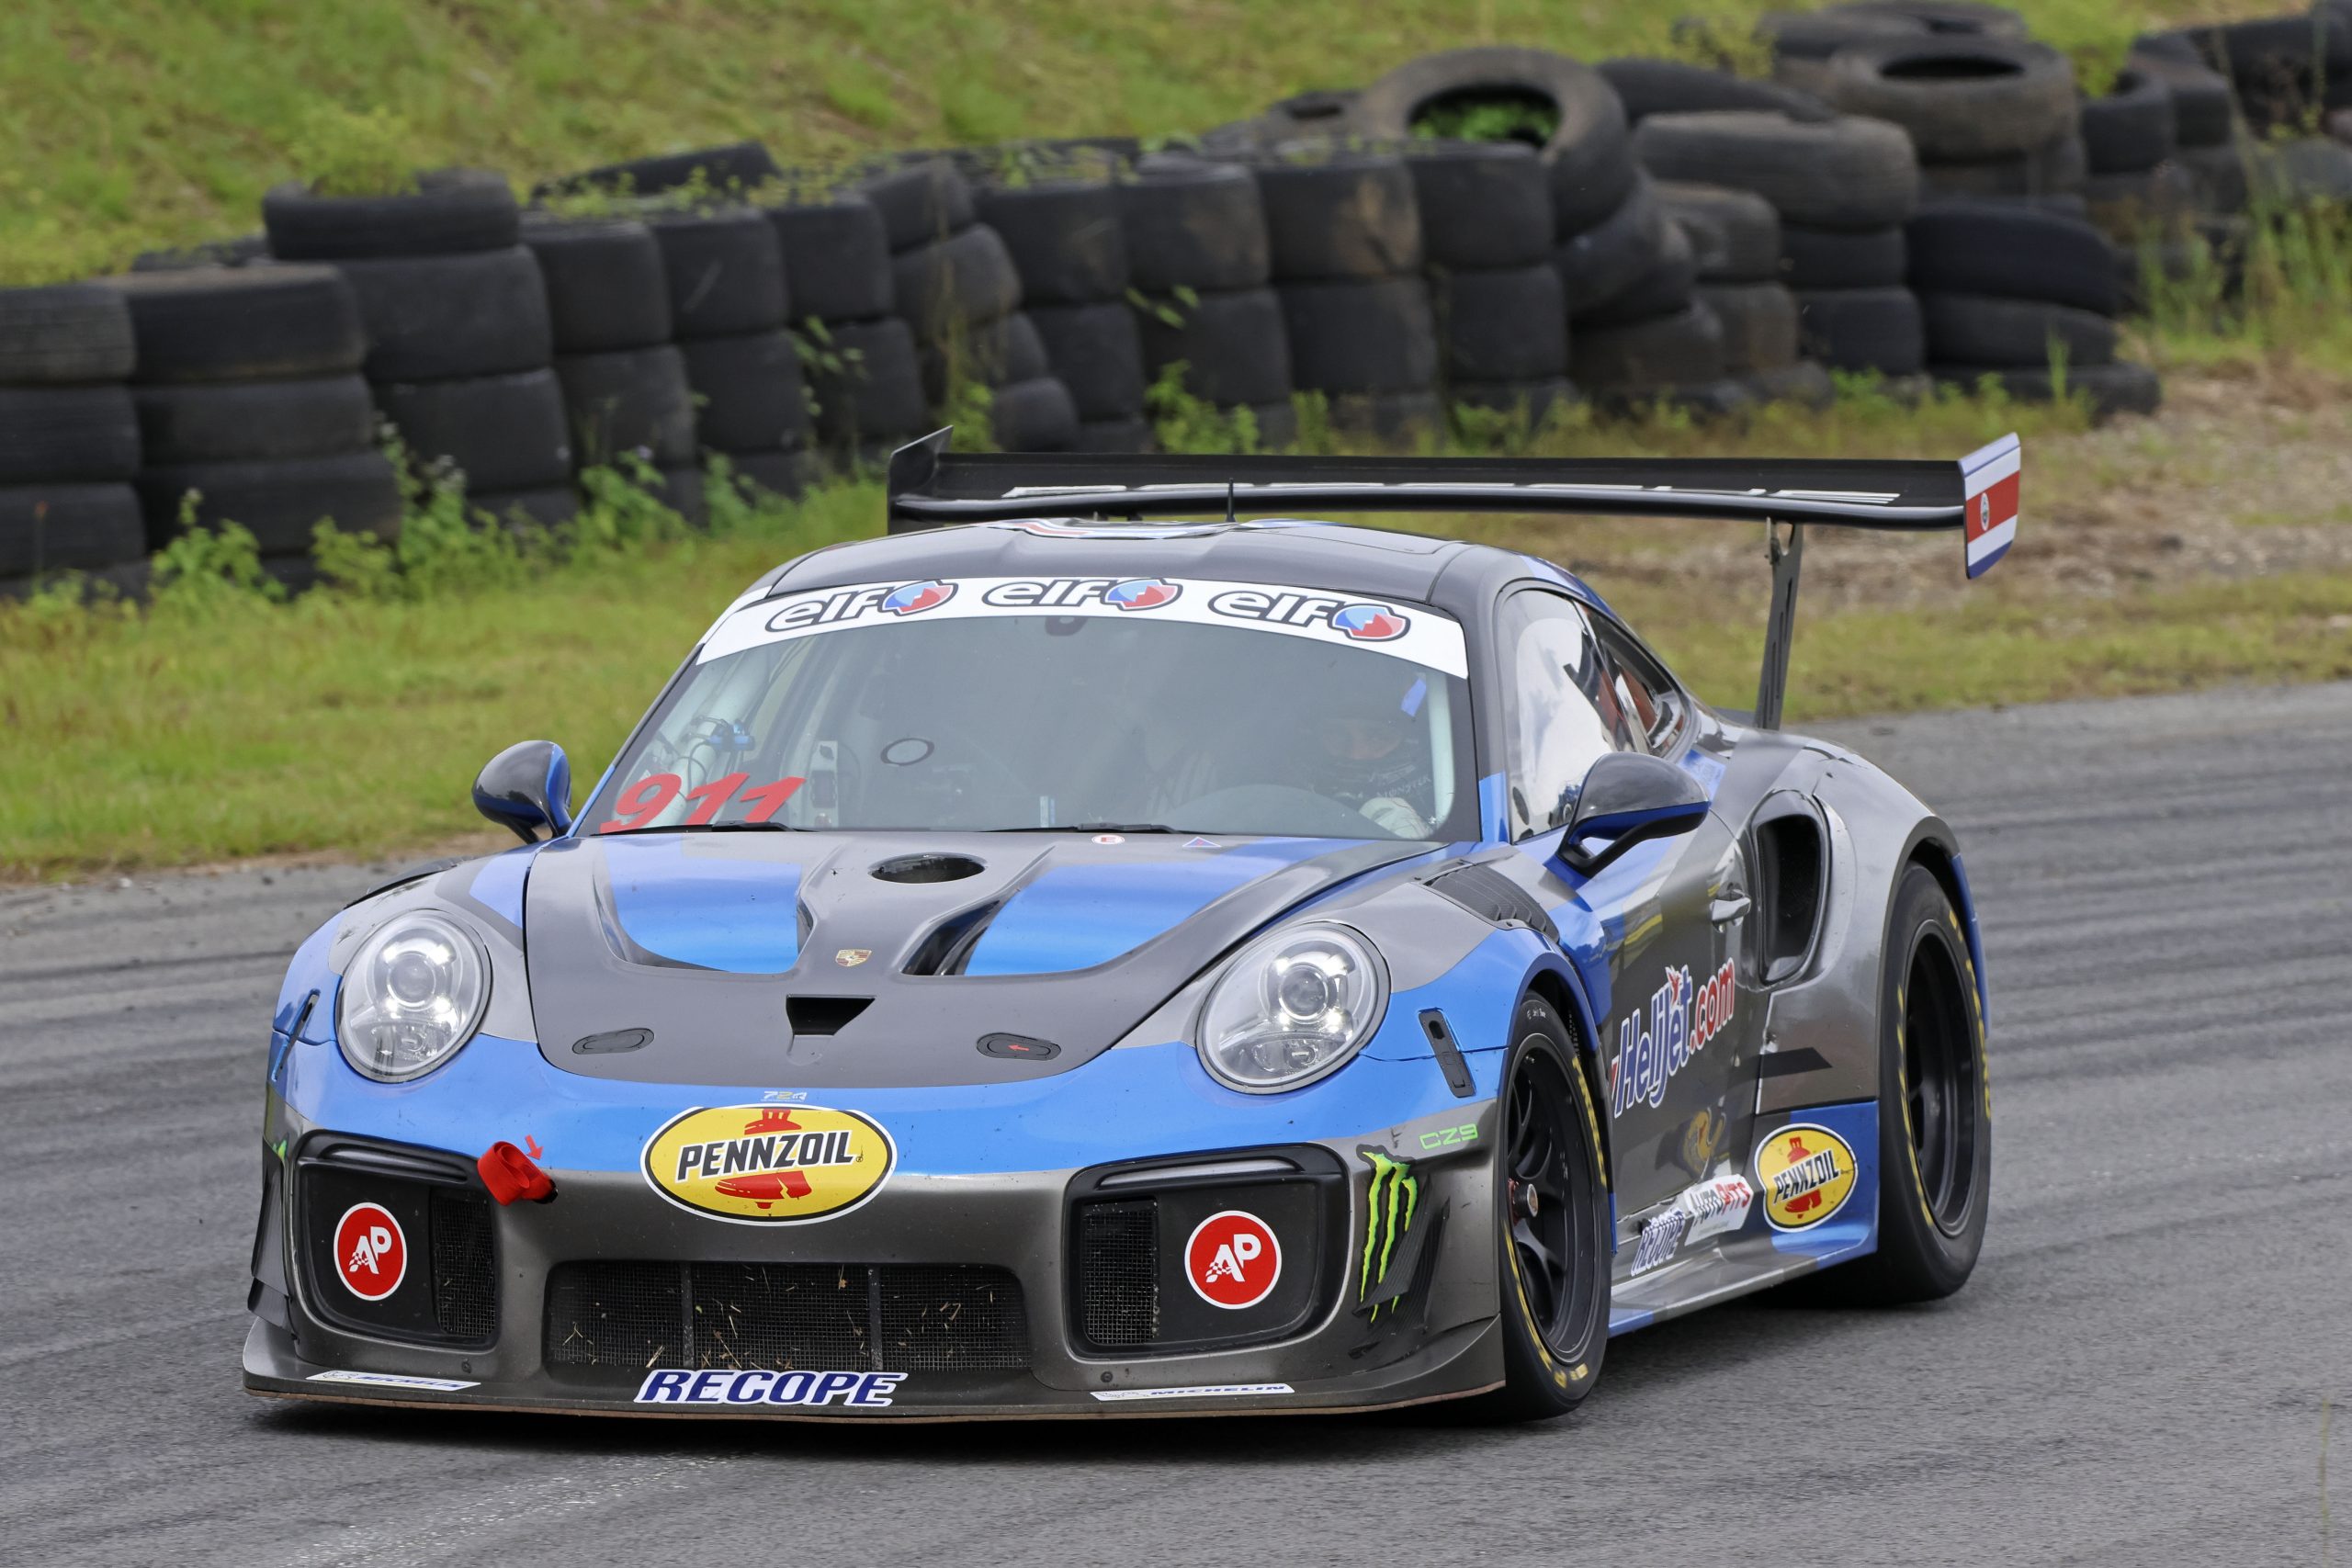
1935,1109
1552,1207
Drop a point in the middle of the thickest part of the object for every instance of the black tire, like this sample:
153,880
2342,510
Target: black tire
64,333
2111,389
1669,87
2015,253
762,477
1114,435
2284,67
1484,205
1958,96
1196,225
683,491
203,254
280,503
985,353
1863,329
1805,384
1589,156
1735,234
606,284
69,527
632,400
1361,336
1611,256
966,278
836,259
2132,126
1967,19
1681,350
1502,326
1552,1226
450,211
737,166
1065,238
725,272
1847,172
1664,287
921,203
87,433
2220,173
1234,345
2058,168
1759,321
244,323
1097,351
255,421
2158,202
1935,1144
1976,328
1830,258
547,506
432,318
501,432
2204,110
867,384
1033,416
747,392
1536,401
1346,216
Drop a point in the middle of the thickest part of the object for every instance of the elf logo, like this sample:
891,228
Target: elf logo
1288,607
1081,593
835,606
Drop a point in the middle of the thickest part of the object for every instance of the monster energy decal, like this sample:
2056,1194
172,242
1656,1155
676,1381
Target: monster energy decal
1390,1202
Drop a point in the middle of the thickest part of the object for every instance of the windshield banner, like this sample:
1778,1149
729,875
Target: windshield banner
1413,633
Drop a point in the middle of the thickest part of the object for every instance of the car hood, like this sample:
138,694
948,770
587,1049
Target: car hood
882,960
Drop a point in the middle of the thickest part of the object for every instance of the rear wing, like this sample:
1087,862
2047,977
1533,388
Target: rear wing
930,487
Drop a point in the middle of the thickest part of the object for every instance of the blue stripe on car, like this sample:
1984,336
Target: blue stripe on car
738,916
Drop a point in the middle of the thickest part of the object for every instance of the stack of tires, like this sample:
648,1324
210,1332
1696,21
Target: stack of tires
1843,188
2139,190
1200,258
69,441
1071,249
460,352
1987,116
250,397
1736,243
2289,70
2204,124
956,288
1343,237
864,382
2026,298
1671,86
1502,314
735,168
728,303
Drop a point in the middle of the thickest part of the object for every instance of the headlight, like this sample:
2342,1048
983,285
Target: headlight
414,993
1292,1006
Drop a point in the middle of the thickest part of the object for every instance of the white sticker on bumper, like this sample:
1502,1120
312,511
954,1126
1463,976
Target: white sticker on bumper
1203,1391
396,1380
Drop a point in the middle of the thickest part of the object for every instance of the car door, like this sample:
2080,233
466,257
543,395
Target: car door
1645,931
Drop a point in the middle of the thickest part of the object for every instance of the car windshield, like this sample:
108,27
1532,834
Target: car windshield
1187,707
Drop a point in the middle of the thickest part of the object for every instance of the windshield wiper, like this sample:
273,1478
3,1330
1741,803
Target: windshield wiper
1095,828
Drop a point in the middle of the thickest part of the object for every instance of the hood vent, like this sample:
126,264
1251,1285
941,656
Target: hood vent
951,942
823,1015
928,868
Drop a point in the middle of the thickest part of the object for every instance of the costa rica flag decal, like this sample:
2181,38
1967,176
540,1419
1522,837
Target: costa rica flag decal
1988,477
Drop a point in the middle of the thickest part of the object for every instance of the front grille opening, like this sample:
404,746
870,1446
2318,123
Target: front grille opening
620,1319
465,1266
1118,1274
823,1015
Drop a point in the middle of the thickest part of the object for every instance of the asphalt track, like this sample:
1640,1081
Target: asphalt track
2142,1371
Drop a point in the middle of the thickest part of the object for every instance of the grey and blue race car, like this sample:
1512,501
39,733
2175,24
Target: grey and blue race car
1101,949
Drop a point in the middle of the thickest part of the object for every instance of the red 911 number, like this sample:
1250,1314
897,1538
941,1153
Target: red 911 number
651,795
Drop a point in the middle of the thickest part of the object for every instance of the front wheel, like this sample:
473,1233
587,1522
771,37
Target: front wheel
1551,1204
1935,1116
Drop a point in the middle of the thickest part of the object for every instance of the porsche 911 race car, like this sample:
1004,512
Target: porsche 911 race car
1045,962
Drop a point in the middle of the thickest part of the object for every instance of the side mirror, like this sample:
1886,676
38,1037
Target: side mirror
1629,799
527,787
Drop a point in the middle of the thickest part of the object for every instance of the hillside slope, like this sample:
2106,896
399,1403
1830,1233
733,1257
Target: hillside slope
126,124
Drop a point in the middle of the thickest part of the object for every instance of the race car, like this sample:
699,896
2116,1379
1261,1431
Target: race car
1110,946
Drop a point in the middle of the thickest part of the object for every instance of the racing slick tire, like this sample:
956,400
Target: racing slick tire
1552,1226
1935,1120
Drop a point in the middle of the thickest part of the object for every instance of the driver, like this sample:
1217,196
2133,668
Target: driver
1367,756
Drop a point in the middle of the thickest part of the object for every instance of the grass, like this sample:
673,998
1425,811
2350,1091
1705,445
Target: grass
131,124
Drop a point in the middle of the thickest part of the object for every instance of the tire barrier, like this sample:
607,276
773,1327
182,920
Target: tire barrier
729,302
1201,262
69,439
1736,241
859,360
249,395
623,385
1069,249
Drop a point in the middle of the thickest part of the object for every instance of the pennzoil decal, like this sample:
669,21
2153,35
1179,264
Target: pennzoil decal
1805,1174
1419,635
1390,1201
769,1165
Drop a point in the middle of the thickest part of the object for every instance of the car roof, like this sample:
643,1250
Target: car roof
1451,575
